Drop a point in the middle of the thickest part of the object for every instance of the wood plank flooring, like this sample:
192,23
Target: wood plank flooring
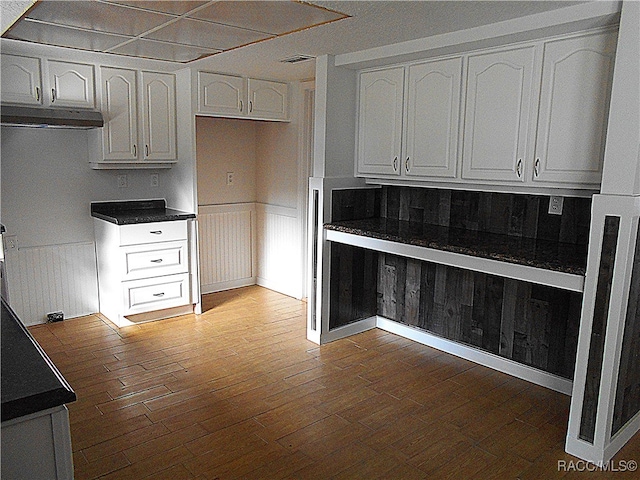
238,392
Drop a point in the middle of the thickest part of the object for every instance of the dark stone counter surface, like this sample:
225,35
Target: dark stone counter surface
556,256
137,211
30,381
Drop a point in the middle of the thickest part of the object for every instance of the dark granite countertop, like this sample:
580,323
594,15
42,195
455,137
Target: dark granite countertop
559,257
137,211
30,381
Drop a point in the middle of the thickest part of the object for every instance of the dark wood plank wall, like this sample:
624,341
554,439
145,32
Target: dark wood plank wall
353,270
503,213
531,324
628,391
599,328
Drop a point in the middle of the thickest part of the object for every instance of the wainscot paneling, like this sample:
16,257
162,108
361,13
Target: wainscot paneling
52,278
226,242
279,249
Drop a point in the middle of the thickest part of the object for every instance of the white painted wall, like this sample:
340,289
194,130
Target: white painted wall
226,145
48,185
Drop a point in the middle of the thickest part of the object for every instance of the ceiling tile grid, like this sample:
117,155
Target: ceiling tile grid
177,31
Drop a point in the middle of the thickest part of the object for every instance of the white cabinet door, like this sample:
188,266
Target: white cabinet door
380,121
267,99
120,131
499,95
574,107
21,80
71,84
221,94
159,116
433,112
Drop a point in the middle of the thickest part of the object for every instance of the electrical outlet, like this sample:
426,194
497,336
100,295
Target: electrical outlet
229,178
154,179
555,205
10,242
122,181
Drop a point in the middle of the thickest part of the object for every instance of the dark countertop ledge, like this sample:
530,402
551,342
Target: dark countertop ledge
137,211
30,381
555,256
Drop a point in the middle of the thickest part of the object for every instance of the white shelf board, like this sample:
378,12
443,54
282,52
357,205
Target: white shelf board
550,278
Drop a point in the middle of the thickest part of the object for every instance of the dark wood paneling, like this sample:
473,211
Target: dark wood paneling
503,213
599,328
528,323
353,285
628,392
354,271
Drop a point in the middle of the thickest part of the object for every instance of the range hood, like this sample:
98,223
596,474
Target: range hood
18,115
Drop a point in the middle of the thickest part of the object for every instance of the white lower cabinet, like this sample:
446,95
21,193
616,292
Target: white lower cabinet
142,268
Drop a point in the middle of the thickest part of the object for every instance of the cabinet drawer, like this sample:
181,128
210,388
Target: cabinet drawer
153,232
153,260
156,293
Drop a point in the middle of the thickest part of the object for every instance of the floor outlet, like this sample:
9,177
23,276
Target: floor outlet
555,205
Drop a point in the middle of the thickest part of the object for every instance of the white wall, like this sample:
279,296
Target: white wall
48,185
225,145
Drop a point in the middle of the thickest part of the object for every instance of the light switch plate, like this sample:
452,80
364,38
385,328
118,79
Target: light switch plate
555,205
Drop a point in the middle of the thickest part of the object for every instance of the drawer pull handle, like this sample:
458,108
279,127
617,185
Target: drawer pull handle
158,294
157,260
156,232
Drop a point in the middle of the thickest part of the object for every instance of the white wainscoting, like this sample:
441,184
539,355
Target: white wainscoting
280,249
52,278
227,245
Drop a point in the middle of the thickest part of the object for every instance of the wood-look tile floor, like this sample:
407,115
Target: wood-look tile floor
238,392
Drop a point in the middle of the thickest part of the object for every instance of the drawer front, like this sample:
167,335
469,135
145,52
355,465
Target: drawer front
155,259
153,232
156,293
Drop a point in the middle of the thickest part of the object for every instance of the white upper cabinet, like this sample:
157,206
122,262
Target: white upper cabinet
220,94
71,84
21,80
119,108
380,121
159,116
238,97
574,107
433,111
139,110
498,107
66,84
267,99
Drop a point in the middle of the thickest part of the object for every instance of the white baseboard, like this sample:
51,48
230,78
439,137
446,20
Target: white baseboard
228,285
480,357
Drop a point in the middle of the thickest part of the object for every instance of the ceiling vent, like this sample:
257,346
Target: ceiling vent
297,59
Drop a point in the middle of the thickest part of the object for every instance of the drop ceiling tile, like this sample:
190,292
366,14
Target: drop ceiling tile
98,16
38,32
176,7
275,17
205,34
162,51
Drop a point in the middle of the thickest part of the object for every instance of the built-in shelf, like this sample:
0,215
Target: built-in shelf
555,264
